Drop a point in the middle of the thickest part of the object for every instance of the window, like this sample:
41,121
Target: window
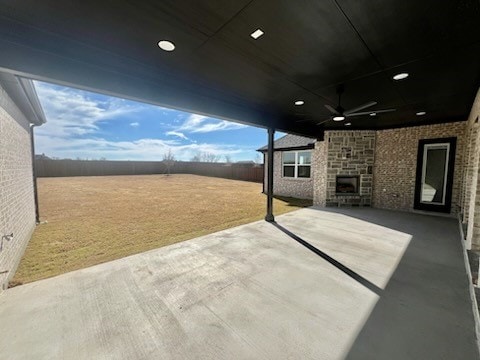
296,164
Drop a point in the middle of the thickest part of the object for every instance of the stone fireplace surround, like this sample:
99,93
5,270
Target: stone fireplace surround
345,153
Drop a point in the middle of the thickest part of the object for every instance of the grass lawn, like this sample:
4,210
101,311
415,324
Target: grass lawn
91,220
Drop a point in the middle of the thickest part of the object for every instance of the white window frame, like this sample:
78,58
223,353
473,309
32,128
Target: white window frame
296,164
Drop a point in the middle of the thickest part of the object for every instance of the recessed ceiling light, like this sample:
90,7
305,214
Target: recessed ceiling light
166,45
421,113
299,102
373,114
339,118
400,76
348,124
256,34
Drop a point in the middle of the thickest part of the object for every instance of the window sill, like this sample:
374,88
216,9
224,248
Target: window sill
295,178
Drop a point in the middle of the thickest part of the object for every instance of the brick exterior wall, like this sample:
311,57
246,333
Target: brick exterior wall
470,168
301,188
396,163
17,206
346,153
319,163
471,183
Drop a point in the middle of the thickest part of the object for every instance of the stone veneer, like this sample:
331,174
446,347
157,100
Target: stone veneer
300,188
17,203
344,153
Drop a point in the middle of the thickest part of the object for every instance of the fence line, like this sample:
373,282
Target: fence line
67,168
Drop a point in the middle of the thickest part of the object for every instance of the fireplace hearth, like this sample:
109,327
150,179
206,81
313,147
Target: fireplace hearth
347,184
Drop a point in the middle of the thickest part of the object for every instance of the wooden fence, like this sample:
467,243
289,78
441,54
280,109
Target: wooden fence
66,168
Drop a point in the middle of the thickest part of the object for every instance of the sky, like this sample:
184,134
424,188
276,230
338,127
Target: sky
88,125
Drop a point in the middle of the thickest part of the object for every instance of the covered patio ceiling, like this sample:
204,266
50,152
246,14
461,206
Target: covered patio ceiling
308,48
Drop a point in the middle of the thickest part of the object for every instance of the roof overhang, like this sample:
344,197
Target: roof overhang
294,148
23,93
217,69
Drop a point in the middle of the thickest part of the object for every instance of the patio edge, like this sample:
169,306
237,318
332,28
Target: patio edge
476,314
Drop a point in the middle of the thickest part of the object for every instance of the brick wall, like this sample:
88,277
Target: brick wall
17,209
470,168
301,188
396,162
319,163
346,153
471,183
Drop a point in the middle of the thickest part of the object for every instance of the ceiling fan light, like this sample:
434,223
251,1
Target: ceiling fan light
166,45
339,118
421,113
400,76
257,33
373,114
299,102
348,124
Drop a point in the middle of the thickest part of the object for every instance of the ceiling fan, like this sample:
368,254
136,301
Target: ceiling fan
340,114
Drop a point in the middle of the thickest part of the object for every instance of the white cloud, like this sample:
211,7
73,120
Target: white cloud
73,129
202,124
72,112
143,149
176,133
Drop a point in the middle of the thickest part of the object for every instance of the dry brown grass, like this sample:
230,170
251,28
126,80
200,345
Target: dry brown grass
96,219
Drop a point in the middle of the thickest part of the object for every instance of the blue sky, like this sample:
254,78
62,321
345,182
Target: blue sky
83,124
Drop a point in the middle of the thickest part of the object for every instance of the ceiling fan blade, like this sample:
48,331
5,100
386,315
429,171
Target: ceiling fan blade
332,109
372,112
361,107
324,121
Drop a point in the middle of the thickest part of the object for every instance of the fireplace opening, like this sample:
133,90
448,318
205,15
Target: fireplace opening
347,185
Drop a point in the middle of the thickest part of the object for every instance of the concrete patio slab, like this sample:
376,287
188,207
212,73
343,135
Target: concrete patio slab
321,284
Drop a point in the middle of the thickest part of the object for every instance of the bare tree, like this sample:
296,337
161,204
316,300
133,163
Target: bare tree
228,159
205,157
169,160
258,159
211,157
196,158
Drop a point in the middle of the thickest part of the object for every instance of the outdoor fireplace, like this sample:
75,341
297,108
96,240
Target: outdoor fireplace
347,185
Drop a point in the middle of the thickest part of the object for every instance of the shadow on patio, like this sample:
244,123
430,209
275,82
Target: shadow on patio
424,311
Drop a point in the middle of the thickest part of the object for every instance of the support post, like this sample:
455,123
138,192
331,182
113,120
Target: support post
269,217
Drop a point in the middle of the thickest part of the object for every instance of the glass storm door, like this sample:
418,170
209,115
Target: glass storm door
433,190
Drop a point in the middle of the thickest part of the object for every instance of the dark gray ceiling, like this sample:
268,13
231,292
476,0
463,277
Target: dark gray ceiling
309,48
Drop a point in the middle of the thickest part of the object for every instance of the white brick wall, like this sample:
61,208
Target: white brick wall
17,206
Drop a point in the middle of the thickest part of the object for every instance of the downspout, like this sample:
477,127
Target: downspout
35,190
269,217
264,170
